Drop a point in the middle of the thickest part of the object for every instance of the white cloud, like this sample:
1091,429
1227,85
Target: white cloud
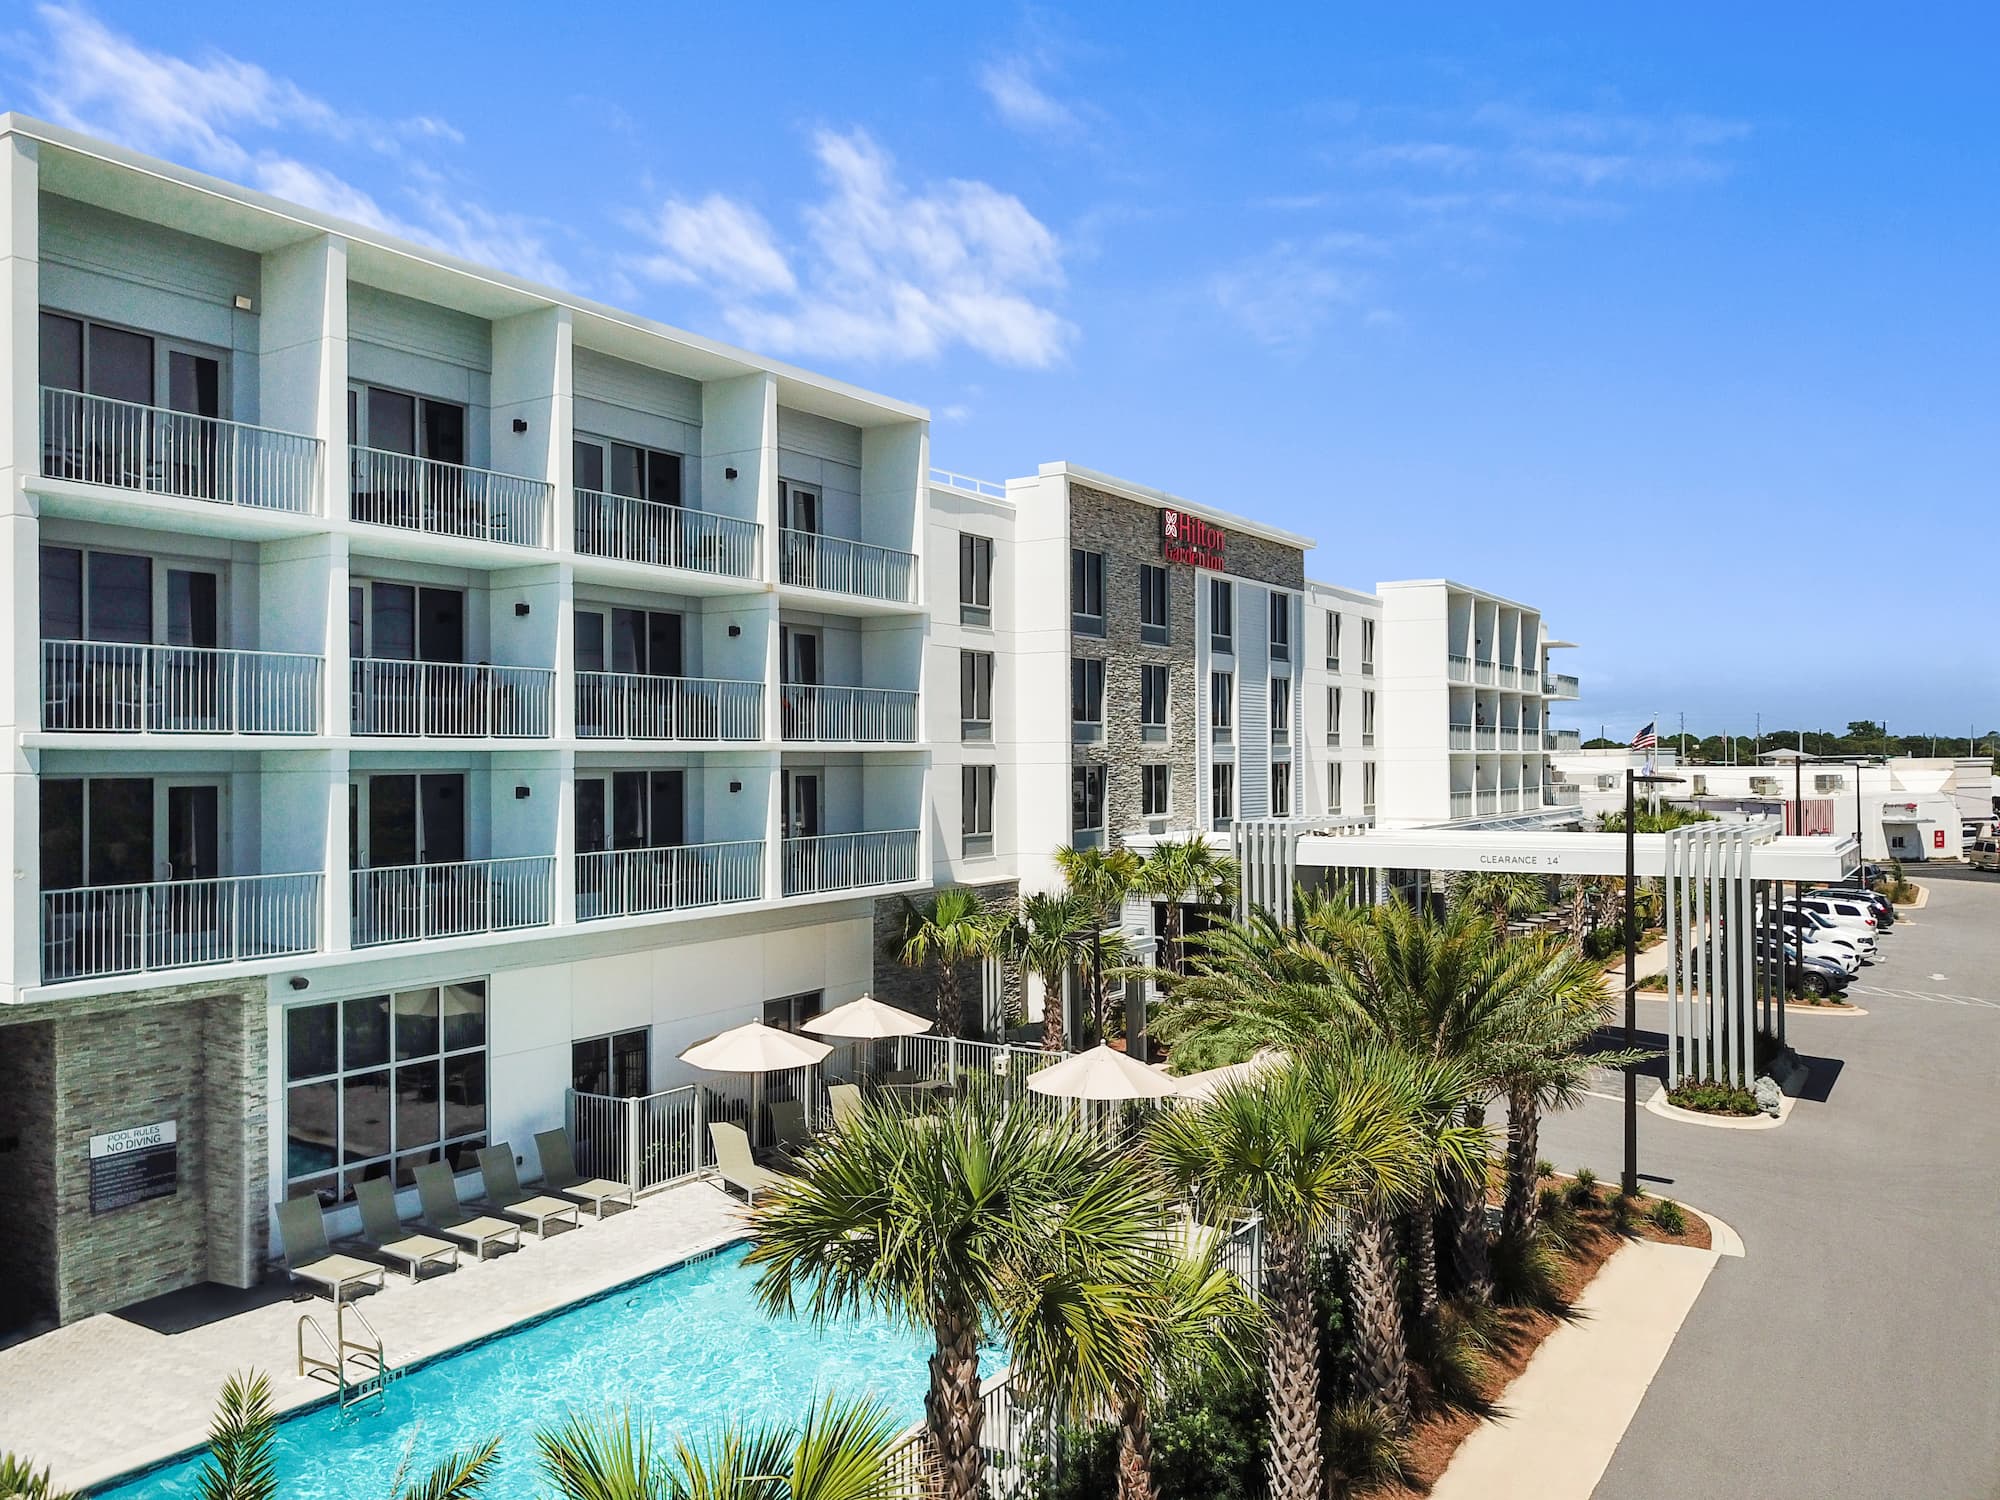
1021,101
881,271
1284,295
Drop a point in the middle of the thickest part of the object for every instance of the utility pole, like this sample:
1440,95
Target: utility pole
1757,745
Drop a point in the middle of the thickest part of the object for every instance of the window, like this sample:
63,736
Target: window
1281,710
1333,717
975,579
975,695
1086,592
380,1085
1829,783
1153,704
1333,787
618,1065
626,471
976,810
1281,789
1281,627
790,1012
1368,789
1086,806
1155,791
1086,698
1333,640
1367,721
1221,615
1152,604
1221,705
1222,788
1367,648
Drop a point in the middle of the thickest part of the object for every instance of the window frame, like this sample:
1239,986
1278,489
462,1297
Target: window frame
1281,781
1334,788
1087,572
1333,706
1221,707
1155,731
972,687
1333,640
1222,616
1087,784
1086,691
1281,709
978,786
1281,626
975,610
1155,632
1150,773
1222,794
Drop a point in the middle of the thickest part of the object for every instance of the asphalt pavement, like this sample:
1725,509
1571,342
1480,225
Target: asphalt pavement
1854,1352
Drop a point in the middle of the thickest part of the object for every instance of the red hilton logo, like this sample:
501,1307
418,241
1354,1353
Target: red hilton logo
1191,540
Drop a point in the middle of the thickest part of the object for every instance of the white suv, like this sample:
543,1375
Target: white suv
1858,930
1984,854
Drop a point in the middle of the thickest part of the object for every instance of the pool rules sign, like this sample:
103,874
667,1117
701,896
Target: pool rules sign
130,1166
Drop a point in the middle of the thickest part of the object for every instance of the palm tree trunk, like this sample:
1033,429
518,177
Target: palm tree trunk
1472,1265
1052,1012
1524,1128
948,1017
1381,1355
1292,1369
1135,1450
1422,1229
953,1411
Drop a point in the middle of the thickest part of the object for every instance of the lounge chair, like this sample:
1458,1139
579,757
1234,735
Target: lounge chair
383,1231
504,1192
308,1256
845,1099
788,1125
559,1173
735,1165
438,1191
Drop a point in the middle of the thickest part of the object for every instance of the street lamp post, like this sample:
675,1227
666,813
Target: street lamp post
1629,1178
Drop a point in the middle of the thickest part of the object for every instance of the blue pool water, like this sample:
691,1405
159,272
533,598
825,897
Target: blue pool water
685,1350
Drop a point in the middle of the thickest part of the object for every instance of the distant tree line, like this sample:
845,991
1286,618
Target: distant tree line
1863,737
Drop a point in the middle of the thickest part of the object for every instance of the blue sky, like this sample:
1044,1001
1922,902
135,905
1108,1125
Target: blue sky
1681,322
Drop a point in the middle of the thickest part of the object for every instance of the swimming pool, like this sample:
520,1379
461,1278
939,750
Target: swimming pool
685,1350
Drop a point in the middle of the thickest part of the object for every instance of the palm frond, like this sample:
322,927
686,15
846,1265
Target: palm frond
20,1481
241,1437
459,1475
602,1459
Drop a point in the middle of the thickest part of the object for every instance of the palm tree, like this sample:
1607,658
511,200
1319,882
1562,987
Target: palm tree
962,1222
1297,1147
1053,936
842,1451
957,928
1182,873
1501,896
20,1482
1104,878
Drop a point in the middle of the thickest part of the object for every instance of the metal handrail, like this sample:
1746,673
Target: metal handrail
127,445
850,861
967,483
841,565
860,715
449,700
671,877
408,903
634,706
128,688
447,499
92,931
669,536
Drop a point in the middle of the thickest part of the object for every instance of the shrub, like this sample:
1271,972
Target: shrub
1528,1275
1583,1188
1669,1217
1712,1098
1207,1442
1557,1220
1365,1446
1455,1355
1544,1167
1625,1213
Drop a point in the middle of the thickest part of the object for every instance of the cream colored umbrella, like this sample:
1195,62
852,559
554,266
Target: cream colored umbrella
1201,1087
867,1019
1104,1074
756,1049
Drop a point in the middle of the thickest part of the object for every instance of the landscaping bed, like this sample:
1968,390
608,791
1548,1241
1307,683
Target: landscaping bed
1593,1238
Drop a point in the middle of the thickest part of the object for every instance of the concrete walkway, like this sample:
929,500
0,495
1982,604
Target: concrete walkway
161,1385
1566,1412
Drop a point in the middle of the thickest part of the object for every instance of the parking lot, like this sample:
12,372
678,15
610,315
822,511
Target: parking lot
1855,1350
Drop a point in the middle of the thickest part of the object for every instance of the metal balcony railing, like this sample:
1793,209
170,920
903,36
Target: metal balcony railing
1489,802
1565,796
410,903
1559,685
1510,739
177,924
96,440
1461,804
1485,738
1485,673
1565,741
450,700
424,494
667,536
808,560
849,715
1458,668
631,706
1510,799
1510,677
1531,796
1459,736
633,882
101,687
1531,739
850,861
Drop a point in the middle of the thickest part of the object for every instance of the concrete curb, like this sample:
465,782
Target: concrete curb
1825,1010
1723,1240
1923,898
1658,1105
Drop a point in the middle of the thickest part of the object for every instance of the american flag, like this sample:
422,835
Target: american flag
1645,739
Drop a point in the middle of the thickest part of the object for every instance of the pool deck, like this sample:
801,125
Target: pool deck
110,1394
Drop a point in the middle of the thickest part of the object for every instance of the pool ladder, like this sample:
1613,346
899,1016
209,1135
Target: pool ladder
363,1355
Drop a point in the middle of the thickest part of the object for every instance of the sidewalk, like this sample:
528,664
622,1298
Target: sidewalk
1652,960
1566,1412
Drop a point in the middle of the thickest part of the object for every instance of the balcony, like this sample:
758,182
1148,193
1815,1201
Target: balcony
1559,685
414,903
1459,736
1510,799
1485,673
628,706
441,499
1565,796
1565,741
1461,804
638,882
836,565
1531,796
666,536
98,687
1484,737
95,440
1510,739
1488,802
177,924
850,715
1510,676
450,700
850,861
1458,668
1531,739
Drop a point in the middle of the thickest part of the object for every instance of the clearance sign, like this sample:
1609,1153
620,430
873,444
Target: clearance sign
1191,540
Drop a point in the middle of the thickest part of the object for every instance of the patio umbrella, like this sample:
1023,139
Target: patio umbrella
1203,1086
867,1019
756,1049
1103,1073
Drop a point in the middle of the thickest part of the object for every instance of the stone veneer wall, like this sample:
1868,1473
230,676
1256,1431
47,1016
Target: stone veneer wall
1128,534
191,1055
27,1175
915,990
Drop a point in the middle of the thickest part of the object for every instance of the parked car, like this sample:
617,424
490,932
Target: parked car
1884,908
1821,939
1860,932
1807,975
1848,911
1984,855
